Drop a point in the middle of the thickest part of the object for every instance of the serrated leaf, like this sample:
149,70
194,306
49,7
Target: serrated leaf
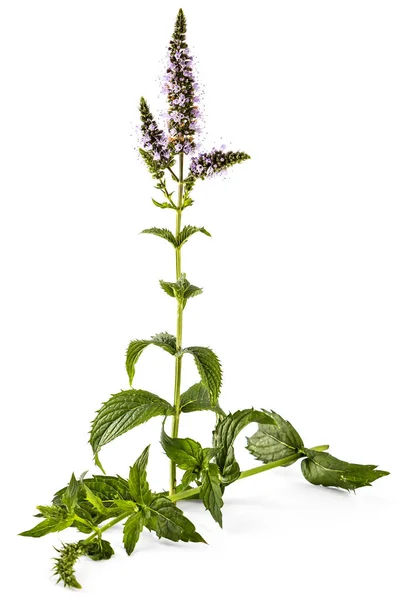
273,442
180,289
168,521
184,452
225,434
98,549
123,412
166,234
138,486
197,397
321,468
166,341
188,231
48,526
211,492
209,368
132,530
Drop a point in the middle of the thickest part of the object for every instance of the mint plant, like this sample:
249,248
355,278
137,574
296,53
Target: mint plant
92,505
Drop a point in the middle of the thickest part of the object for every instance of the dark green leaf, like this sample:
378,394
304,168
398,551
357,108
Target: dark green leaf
184,452
132,530
188,477
211,492
168,521
166,234
197,397
273,442
123,412
188,231
98,549
49,526
225,434
209,367
321,468
138,486
165,341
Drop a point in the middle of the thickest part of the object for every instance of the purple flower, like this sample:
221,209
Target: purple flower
208,164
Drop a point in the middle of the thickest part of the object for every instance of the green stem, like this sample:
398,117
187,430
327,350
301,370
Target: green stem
108,526
250,472
179,319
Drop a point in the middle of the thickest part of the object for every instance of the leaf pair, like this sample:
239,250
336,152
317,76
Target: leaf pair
182,238
276,442
182,290
189,456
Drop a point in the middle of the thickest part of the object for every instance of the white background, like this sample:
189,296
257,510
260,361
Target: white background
301,280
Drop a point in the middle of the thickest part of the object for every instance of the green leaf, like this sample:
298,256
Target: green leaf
321,468
209,368
138,486
98,549
188,477
166,234
123,412
211,492
273,442
70,497
181,289
197,397
188,231
49,526
225,434
168,521
95,501
162,204
184,452
166,341
132,530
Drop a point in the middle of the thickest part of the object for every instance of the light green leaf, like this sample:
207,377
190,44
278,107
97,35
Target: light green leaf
181,289
188,231
138,486
225,434
49,526
273,442
166,341
123,412
70,497
95,501
168,521
188,477
132,530
211,492
209,368
166,234
197,397
162,204
321,468
184,452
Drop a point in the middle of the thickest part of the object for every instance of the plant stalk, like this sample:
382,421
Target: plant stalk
250,472
179,319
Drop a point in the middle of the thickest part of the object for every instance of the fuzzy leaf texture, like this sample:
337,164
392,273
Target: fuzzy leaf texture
321,468
188,231
211,492
197,397
123,412
182,290
275,441
226,432
166,341
209,368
